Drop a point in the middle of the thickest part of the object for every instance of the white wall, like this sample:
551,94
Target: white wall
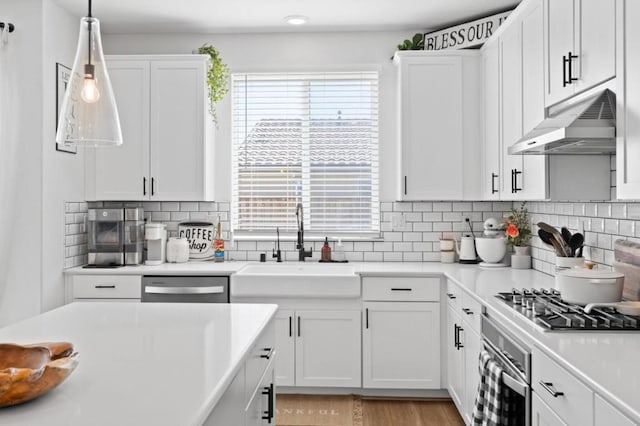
62,173
21,203
287,52
35,179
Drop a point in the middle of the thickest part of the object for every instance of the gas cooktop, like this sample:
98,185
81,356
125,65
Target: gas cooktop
546,308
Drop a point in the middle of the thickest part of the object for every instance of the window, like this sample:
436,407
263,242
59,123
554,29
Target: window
305,138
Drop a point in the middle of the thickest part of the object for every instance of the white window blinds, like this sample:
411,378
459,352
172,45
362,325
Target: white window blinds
309,138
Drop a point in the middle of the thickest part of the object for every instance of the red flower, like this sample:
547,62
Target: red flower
512,231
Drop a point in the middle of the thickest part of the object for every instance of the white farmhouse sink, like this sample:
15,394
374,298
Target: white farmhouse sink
296,280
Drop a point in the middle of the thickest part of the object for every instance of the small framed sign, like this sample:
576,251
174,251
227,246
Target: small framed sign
63,75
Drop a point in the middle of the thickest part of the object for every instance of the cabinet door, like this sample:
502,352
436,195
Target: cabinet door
471,341
560,15
491,140
511,102
401,345
455,360
533,179
178,122
542,415
121,173
431,128
606,414
328,349
628,100
261,408
285,346
596,35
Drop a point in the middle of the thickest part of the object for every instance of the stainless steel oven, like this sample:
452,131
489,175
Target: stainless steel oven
515,359
185,289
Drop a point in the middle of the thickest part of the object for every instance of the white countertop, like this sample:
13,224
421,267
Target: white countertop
605,361
155,364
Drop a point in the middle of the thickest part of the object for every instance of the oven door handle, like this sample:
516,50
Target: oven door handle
515,385
154,289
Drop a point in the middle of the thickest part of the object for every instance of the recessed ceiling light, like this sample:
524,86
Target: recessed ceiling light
296,19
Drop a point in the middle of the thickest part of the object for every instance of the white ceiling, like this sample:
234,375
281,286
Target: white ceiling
235,16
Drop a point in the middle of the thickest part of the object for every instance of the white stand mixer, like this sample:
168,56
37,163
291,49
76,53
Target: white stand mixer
492,245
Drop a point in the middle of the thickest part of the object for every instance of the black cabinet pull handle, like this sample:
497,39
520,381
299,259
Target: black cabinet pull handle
571,77
298,326
290,326
268,415
512,186
366,318
144,186
467,311
153,186
269,353
405,185
451,296
493,183
460,345
548,386
106,286
455,336
564,71
532,143
401,289
516,172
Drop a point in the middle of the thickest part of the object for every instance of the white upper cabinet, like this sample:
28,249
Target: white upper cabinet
522,100
628,101
580,46
491,172
166,128
439,125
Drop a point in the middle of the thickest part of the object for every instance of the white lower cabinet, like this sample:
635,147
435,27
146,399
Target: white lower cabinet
328,348
542,415
251,397
104,288
401,345
606,414
463,351
286,344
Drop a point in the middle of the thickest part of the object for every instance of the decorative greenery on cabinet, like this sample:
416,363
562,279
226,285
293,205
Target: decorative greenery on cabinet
217,78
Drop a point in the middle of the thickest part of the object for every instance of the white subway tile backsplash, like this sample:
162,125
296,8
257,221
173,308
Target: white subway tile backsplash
442,207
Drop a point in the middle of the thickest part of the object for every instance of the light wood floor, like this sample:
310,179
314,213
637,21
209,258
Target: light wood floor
379,412
408,412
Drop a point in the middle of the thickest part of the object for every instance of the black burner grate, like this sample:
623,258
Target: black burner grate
546,308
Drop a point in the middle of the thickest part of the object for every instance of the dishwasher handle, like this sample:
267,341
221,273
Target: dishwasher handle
155,289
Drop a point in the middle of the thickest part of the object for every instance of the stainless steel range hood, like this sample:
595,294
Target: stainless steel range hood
583,126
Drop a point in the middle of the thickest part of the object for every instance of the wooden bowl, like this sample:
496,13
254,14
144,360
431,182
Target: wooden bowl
26,372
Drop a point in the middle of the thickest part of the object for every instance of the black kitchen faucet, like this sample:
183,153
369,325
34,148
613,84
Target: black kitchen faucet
302,253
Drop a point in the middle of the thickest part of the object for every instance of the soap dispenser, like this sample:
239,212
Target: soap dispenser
338,254
325,256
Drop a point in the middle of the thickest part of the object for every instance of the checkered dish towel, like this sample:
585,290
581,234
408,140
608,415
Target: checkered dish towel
488,407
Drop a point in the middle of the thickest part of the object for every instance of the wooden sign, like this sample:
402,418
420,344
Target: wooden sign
465,35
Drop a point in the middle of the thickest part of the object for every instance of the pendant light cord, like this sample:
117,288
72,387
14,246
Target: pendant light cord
89,38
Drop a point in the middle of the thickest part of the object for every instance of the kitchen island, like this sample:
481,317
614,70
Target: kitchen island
160,364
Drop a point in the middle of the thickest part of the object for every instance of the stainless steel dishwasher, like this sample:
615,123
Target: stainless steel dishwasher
185,289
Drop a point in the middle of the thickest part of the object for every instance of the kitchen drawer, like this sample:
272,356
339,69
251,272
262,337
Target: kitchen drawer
405,289
454,295
573,401
107,287
261,354
471,311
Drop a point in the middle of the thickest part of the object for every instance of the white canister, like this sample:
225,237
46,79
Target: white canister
200,236
177,250
446,244
583,286
447,256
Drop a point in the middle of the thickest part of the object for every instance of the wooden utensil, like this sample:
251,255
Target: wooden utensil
625,308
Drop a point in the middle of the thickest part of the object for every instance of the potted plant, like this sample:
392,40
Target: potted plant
519,230
217,78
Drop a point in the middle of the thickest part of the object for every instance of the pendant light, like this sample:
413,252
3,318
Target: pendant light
89,115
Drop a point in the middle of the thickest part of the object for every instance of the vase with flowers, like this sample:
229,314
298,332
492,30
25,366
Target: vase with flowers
518,236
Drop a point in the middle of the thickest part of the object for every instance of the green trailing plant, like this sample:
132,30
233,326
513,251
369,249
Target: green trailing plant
416,43
217,78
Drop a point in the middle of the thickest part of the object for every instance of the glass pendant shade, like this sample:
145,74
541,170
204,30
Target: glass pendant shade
89,115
